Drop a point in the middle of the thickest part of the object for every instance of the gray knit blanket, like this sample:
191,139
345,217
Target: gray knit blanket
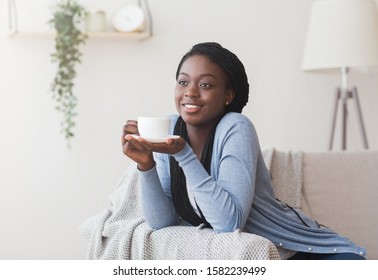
286,169
120,232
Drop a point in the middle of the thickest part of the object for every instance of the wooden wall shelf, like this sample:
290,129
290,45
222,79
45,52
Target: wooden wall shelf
132,36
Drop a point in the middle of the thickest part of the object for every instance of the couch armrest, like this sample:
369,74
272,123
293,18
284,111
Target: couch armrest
120,232
196,243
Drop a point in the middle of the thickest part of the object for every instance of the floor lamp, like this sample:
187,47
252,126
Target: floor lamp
342,36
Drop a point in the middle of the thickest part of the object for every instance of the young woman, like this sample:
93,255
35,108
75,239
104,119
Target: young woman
215,173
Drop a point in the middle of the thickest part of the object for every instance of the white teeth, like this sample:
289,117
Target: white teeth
191,106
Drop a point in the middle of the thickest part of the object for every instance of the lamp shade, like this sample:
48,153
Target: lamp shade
341,34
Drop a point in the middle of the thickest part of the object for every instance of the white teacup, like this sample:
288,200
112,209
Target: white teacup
153,128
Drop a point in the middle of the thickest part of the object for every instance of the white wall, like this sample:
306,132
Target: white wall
47,191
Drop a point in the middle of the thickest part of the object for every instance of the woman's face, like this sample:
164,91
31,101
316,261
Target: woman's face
202,91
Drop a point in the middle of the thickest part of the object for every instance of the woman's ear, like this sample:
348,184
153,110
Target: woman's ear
230,96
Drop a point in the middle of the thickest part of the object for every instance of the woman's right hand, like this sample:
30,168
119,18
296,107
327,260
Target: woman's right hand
134,149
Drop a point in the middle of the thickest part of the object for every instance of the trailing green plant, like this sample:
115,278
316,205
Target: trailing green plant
67,16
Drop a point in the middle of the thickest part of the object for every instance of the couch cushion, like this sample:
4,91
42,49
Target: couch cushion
340,190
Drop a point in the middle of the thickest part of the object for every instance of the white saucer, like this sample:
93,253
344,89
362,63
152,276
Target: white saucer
159,140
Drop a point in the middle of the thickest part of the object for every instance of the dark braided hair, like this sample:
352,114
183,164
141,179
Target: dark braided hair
238,81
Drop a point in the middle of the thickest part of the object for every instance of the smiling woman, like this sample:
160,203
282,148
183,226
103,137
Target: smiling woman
202,93
214,173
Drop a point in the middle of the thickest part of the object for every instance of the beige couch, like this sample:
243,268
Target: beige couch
338,189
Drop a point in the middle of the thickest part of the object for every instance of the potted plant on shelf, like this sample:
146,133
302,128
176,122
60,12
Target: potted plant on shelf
67,16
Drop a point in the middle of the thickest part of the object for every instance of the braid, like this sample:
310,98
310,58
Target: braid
178,183
178,180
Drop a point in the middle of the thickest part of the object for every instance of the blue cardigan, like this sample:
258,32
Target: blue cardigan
237,195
